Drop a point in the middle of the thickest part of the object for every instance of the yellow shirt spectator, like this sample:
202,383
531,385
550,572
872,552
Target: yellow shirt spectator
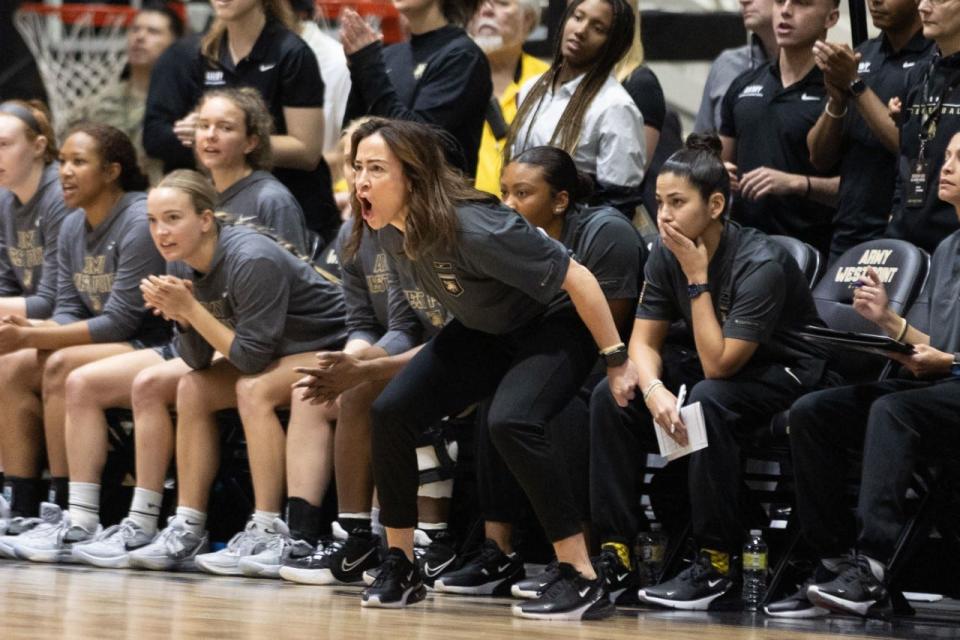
491,150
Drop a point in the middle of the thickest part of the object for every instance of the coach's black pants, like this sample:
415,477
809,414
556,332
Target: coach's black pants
531,374
568,432
620,439
896,423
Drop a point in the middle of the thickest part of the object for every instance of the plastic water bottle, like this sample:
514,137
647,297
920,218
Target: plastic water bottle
651,551
754,571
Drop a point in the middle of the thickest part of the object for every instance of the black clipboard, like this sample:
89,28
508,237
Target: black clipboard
853,341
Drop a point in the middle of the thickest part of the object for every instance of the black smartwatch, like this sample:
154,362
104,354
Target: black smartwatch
615,356
857,87
694,290
955,367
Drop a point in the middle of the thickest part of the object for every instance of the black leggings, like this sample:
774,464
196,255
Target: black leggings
531,373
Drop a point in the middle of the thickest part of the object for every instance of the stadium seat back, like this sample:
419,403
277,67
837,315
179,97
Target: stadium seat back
807,258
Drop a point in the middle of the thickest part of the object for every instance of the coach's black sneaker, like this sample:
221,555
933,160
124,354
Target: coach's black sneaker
798,605
439,557
571,597
490,573
859,589
337,563
533,586
696,587
397,584
619,579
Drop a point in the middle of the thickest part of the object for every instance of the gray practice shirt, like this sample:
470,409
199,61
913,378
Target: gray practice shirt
943,295
99,274
377,310
276,303
501,275
28,243
729,65
262,199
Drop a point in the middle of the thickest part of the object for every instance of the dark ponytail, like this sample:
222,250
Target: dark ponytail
559,171
699,161
113,145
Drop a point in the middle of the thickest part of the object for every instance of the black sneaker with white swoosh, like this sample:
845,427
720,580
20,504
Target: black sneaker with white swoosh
492,572
570,597
397,585
438,558
342,563
696,588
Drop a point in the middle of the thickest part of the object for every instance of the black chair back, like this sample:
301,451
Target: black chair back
805,255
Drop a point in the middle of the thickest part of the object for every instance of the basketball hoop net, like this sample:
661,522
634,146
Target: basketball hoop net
80,50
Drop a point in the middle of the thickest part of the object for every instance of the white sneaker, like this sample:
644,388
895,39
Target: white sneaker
249,542
53,544
111,548
4,515
174,549
267,563
50,516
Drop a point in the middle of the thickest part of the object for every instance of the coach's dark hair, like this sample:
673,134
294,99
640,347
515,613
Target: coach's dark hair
559,171
436,188
278,10
114,146
460,12
566,134
700,163
175,22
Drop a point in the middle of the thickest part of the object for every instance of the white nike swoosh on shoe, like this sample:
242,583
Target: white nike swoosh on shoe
503,568
350,566
583,593
622,577
714,583
433,572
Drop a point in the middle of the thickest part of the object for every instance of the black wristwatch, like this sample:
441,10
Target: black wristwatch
615,356
694,290
857,87
955,367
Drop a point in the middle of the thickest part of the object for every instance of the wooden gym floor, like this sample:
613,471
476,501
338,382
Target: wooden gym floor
41,601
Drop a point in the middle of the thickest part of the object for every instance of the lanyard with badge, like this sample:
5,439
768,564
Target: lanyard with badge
929,120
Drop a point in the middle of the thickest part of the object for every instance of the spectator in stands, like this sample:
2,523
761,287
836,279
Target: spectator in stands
236,292
439,77
251,43
767,114
500,28
544,186
859,84
579,106
929,119
743,301
31,210
104,251
733,63
122,104
335,74
898,423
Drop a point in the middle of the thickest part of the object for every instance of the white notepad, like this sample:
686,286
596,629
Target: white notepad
692,416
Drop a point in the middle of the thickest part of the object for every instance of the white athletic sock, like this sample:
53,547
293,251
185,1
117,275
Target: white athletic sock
145,508
432,527
85,505
264,519
193,521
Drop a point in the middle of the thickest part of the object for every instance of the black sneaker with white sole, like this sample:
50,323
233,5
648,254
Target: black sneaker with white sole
859,589
438,558
696,588
338,563
533,586
492,572
798,605
619,580
570,597
397,585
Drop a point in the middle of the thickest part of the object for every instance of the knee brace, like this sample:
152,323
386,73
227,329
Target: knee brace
436,461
